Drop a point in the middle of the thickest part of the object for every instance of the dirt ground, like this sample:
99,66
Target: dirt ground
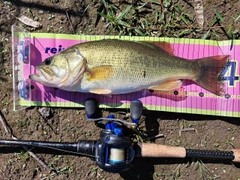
71,125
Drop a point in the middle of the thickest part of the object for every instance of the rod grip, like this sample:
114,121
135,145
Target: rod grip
236,153
156,150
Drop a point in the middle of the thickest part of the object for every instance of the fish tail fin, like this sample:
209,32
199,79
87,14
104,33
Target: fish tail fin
210,69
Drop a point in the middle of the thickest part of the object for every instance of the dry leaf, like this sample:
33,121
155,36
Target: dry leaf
198,7
29,22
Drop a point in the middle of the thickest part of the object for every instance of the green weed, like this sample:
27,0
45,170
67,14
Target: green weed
22,122
67,169
94,171
229,142
9,3
166,18
205,173
139,134
24,156
176,174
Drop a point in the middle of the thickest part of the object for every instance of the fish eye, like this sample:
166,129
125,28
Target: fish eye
48,61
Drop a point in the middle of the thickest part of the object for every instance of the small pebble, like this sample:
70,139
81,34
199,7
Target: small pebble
35,19
5,111
44,111
40,11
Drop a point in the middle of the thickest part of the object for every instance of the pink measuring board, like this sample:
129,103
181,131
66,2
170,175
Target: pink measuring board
189,99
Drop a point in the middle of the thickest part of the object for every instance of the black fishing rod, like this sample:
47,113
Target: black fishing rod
114,151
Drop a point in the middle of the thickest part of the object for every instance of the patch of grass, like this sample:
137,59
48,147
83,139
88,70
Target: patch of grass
88,133
3,50
140,134
66,169
229,142
94,171
233,130
4,103
176,174
24,156
9,162
9,3
166,18
5,72
176,142
205,141
54,162
49,28
187,124
29,11
229,30
22,122
205,173
51,16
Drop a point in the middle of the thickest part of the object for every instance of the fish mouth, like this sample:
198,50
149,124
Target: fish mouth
61,78
45,72
44,75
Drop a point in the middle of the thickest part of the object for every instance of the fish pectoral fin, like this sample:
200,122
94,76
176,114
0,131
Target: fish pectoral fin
100,73
101,91
168,85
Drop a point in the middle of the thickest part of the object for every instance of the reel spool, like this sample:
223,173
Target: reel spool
117,155
114,151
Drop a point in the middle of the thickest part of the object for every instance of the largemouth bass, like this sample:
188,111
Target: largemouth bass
119,67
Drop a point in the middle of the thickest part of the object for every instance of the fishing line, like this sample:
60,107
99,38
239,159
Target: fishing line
117,155
111,119
69,151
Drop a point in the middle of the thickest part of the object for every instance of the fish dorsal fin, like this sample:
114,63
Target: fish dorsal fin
167,47
99,73
168,85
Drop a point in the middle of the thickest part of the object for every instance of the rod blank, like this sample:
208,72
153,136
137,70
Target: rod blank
141,149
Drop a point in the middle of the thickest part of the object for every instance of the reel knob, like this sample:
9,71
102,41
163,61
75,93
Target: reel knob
91,107
136,108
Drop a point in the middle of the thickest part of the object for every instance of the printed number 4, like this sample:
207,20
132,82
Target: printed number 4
230,73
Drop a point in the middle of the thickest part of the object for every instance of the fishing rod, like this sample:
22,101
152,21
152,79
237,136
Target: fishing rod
114,152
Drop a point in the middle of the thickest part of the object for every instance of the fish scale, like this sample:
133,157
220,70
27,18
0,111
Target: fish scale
129,64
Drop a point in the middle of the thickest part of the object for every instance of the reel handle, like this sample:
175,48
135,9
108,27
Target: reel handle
163,151
91,106
136,108
157,150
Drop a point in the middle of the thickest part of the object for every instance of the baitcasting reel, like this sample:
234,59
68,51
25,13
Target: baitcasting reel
113,151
